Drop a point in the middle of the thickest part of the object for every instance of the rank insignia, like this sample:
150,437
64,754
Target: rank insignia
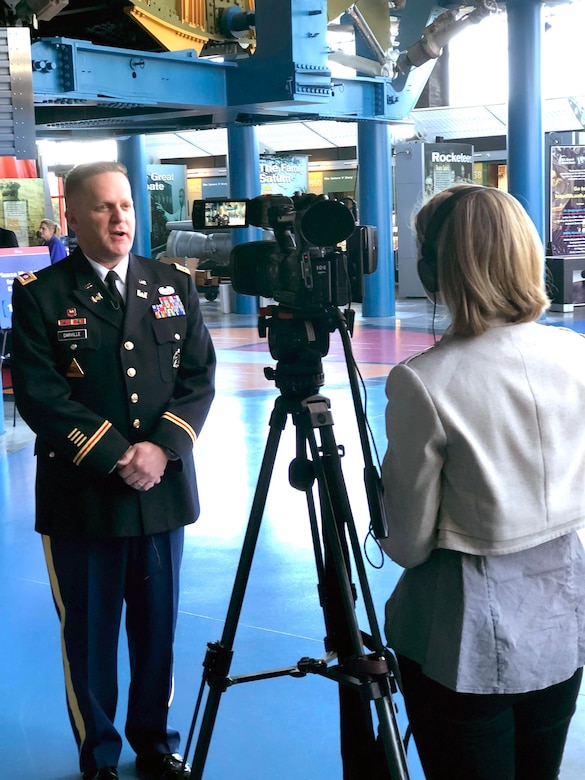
142,281
169,306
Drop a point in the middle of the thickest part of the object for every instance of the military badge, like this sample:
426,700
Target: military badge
168,306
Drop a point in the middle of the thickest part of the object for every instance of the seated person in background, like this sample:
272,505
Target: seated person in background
49,232
7,238
484,493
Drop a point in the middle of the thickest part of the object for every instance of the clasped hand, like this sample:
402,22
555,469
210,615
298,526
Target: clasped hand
142,465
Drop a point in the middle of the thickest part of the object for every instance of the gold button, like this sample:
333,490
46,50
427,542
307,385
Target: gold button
136,423
131,372
178,336
73,346
128,345
51,454
134,398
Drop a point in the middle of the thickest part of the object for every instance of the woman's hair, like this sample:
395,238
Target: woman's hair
490,259
76,178
52,225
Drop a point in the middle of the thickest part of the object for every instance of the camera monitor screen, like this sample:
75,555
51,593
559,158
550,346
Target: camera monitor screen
15,261
218,213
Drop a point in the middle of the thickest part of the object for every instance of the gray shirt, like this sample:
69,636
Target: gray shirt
493,624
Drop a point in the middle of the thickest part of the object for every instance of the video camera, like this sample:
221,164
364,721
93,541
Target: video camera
304,267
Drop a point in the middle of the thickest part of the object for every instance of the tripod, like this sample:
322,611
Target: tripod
362,678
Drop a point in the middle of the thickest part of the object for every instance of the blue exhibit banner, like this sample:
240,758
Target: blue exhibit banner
167,186
284,175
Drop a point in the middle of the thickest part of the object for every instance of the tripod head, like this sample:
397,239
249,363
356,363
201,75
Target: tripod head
297,341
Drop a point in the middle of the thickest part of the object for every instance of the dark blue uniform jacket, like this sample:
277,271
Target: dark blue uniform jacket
91,379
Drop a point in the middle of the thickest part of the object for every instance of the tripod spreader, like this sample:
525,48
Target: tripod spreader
361,673
362,679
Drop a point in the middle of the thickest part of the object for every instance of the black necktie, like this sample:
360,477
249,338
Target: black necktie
111,278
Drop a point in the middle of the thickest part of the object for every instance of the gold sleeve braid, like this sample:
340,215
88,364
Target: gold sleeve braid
181,424
86,444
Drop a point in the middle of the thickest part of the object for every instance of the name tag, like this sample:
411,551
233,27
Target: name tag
72,335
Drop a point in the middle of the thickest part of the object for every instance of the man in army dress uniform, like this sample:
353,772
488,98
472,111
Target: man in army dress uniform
115,376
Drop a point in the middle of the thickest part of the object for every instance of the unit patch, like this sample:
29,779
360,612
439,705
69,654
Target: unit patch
26,277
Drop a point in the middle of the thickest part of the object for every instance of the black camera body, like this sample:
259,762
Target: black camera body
304,267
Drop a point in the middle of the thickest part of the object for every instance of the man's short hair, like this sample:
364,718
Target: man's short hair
76,178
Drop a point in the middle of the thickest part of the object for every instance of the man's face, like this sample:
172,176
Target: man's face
102,217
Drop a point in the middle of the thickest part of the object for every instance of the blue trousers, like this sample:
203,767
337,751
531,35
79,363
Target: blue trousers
465,736
90,582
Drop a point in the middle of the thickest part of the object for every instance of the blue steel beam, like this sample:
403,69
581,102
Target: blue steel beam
287,76
70,72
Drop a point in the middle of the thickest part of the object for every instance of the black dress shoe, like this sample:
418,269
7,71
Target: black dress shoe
166,766
105,773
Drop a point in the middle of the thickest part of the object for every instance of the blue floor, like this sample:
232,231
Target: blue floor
283,728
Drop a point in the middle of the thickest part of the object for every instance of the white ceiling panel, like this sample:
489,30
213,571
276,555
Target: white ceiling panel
560,114
292,135
461,122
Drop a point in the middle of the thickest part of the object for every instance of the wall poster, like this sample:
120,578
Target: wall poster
447,164
567,207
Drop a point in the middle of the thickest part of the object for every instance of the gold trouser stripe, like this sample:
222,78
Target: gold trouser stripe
92,441
70,690
181,423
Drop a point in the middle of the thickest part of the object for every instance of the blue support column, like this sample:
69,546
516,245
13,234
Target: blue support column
374,151
244,182
526,179
132,153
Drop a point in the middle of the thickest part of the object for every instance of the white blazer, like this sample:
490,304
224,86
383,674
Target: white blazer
486,443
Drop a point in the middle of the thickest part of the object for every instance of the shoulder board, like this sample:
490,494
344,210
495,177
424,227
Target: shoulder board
182,268
27,277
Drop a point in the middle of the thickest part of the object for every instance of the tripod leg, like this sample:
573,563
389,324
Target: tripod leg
220,654
360,756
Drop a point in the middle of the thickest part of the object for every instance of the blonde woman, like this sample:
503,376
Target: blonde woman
484,489
49,232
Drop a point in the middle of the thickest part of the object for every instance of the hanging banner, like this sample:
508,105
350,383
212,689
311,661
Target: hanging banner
567,207
167,186
284,175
